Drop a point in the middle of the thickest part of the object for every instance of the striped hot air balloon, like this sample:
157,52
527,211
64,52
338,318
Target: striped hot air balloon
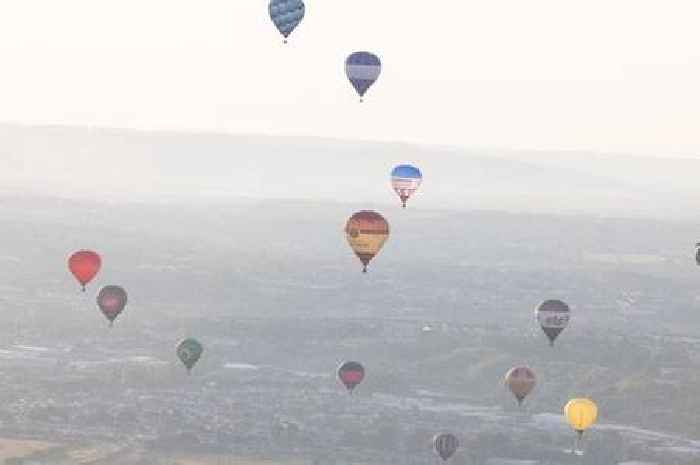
405,180
553,316
362,69
366,232
286,15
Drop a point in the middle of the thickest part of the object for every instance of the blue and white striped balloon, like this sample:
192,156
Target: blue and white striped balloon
286,14
405,180
362,69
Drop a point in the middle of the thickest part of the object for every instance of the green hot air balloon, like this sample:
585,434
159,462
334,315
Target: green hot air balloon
189,351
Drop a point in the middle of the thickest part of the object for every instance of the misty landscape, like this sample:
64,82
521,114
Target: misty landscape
238,241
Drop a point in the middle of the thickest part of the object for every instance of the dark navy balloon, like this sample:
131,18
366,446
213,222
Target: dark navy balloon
286,14
445,445
362,69
553,315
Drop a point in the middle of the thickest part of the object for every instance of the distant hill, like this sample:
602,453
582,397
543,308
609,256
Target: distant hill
114,162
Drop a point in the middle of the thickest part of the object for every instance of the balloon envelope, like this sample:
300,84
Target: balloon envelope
580,414
405,180
84,264
362,69
189,351
553,316
521,381
366,232
351,374
286,15
445,445
111,300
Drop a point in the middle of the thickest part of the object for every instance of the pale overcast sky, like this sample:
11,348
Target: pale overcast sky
608,75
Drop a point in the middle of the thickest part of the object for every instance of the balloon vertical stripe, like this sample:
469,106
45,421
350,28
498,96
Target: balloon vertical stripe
286,15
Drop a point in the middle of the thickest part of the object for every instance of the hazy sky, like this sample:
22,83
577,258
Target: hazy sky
611,75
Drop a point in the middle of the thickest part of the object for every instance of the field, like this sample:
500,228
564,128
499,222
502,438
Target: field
211,459
17,449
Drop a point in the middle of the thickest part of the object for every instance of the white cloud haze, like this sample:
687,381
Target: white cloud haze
545,74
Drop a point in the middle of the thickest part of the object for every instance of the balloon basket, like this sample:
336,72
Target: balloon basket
577,445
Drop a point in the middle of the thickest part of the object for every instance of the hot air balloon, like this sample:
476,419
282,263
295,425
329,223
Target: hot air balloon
405,180
84,264
366,232
697,253
351,374
111,300
445,445
553,316
286,15
520,381
189,351
580,414
362,69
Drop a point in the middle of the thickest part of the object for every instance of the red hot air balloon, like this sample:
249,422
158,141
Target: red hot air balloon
111,300
84,264
351,374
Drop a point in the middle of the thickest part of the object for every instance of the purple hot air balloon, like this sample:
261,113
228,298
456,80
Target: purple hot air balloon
111,300
362,69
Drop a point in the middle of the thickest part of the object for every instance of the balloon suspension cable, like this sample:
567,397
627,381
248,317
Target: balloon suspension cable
361,100
82,286
577,448
111,323
403,204
551,343
189,372
364,268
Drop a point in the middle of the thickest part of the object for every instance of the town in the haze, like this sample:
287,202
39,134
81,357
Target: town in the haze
436,331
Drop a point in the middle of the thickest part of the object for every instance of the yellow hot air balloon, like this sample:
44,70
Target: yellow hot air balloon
366,232
580,414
